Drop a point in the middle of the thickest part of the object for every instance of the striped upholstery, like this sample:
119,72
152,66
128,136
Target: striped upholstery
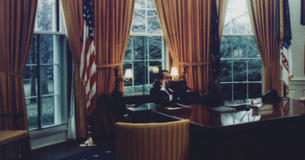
153,141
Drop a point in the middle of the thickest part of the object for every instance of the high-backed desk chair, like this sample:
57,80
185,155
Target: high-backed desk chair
153,141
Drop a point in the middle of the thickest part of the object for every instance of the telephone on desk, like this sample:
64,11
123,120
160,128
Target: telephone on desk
271,97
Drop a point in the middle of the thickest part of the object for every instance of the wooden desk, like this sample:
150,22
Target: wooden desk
274,133
225,116
14,144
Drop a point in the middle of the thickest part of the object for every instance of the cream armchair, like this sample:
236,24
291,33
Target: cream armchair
153,141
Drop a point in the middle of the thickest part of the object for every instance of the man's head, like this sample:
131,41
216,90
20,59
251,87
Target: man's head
164,75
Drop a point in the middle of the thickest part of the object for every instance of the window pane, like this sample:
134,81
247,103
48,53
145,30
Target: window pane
252,48
153,25
140,73
138,21
226,90
240,91
239,22
155,48
47,104
240,70
128,52
45,16
46,49
255,90
237,5
46,80
62,25
240,60
139,48
239,44
150,4
227,28
139,4
30,81
128,90
154,68
255,70
225,47
147,60
226,71
32,57
50,49
32,111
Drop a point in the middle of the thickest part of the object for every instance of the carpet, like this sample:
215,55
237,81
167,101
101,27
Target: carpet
95,153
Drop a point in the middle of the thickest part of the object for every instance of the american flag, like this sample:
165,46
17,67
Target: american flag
284,36
87,62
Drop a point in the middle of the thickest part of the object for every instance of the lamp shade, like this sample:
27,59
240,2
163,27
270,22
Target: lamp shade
128,73
174,72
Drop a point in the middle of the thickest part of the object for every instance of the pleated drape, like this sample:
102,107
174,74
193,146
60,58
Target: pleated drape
221,10
112,27
263,19
186,29
153,141
73,13
17,19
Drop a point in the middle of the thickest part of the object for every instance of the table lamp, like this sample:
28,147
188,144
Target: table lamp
174,73
128,75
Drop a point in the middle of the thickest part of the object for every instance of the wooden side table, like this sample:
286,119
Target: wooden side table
14,144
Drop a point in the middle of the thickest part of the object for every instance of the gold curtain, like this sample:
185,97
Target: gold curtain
221,10
186,29
263,15
74,23
16,29
112,27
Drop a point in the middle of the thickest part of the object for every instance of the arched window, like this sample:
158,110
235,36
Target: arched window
45,72
241,74
146,51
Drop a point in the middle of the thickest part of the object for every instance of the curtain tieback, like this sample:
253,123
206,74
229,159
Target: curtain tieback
271,65
108,65
194,63
13,74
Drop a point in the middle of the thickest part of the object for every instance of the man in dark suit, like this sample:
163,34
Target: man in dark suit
161,92
167,92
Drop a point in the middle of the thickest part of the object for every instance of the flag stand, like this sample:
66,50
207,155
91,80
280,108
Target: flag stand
89,142
285,92
88,69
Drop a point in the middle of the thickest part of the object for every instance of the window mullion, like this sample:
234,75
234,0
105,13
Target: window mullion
38,83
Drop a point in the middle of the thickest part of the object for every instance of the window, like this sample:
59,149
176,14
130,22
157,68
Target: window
145,53
45,71
241,74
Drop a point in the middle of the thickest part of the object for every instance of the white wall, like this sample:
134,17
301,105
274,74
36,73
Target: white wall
297,84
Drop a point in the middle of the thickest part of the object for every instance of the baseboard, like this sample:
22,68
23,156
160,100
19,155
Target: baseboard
46,137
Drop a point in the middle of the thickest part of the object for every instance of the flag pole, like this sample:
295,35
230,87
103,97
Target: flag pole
89,142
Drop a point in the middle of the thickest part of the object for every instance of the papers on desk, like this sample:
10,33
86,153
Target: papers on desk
177,106
262,106
262,109
223,109
302,99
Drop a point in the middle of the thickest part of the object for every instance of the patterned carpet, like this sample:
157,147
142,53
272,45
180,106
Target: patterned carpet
94,154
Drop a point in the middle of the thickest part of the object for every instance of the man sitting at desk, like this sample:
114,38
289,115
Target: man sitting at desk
165,93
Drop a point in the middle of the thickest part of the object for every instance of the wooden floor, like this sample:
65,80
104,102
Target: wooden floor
57,151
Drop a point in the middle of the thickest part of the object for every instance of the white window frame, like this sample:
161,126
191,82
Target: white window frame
232,82
146,61
56,133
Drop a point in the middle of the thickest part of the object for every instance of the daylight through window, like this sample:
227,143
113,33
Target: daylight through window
241,74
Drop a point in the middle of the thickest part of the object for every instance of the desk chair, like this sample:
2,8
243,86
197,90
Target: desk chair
152,141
